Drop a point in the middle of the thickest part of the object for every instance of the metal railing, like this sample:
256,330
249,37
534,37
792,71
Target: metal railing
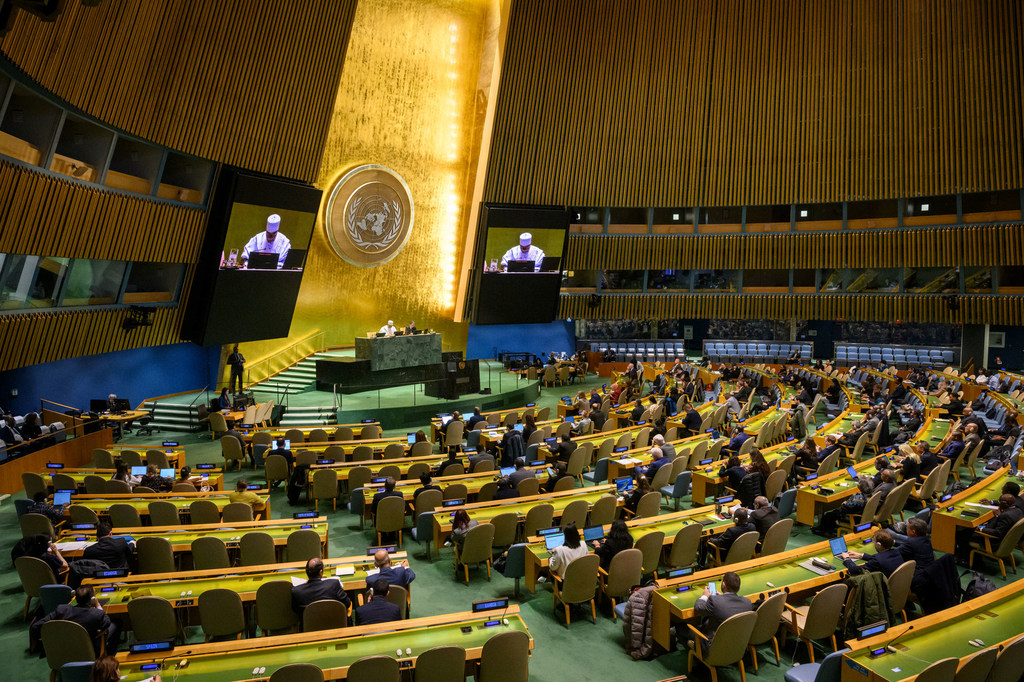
263,369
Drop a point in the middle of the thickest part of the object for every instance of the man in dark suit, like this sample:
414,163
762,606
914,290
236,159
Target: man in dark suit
475,419
479,458
1009,513
114,552
885,560
88,613
764,515
425,484
717,608
316,588
737,440
658,460
971,418
598,417
284,452
389,491
520,473
400,575
886,485
692,421
562,450
638,411
560,473
1012,489
918,545
9,433
929,460
378,609
740,525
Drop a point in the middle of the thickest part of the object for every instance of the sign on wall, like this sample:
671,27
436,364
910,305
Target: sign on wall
369,216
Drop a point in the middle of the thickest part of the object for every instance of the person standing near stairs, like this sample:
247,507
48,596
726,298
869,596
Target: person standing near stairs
237,363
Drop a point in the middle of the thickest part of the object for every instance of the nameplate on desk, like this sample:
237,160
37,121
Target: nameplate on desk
254,486
152,647
490,605
54,465
453,503
366,421
83,526
325,461
206,466
170,444
379,479
391,549
862,527
304,515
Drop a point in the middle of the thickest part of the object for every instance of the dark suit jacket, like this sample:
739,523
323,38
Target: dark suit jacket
92,619
1001,523
423,488
316,589
653,467
473,421
637,412
519,475
287,454
929,461
563,450
884,562
380,496
599,418
377,610
725,540
920,550
550,485
395,575
692,421
764,518
114,552
717,608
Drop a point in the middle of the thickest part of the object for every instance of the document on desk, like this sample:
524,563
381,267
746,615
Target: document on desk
73,546
983,506
297,581
626,461
345,570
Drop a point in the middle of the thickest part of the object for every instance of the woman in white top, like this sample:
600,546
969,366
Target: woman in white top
571,549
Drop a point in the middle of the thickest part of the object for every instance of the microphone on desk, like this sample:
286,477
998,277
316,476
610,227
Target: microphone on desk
889,644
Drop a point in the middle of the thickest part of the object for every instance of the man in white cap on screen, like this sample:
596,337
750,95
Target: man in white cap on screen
388,329
269,241
525,251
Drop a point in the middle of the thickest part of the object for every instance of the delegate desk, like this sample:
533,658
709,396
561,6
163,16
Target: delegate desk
473,482
183,588
483,512
492,436
101,503
996,618
72,543
950,515
537,555
333,651
674,599
706,482
118,420
812,501
215,478
375,465
331,429
175,455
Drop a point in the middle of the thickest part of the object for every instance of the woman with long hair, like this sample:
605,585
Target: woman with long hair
570,549
617,540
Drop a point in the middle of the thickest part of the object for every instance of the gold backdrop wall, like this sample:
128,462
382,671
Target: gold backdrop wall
691,102
412,97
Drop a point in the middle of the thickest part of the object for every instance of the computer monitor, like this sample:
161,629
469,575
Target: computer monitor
61,497
521,266
592,533
624,484
97,405
837,545
549,263
139,471
293,261
554,540
122,404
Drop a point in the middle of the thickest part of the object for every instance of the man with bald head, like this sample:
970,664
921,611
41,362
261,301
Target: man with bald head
316,588
1009,513
400,575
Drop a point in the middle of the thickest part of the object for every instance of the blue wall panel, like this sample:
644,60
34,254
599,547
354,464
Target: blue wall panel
133,374
485,341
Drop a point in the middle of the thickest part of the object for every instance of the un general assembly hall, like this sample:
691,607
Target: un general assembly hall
650,340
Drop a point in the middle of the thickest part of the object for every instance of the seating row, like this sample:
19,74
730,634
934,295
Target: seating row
650,351
893,355
754,351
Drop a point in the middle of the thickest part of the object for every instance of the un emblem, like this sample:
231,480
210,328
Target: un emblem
369,216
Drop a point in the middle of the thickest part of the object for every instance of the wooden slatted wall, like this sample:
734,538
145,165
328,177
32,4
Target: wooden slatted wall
746,102
1008,310
922,247
242,82
48,216
32,338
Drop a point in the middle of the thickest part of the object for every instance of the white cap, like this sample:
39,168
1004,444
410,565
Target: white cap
273,222
525,238
391,323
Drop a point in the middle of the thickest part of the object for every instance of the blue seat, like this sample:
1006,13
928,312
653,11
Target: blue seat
52,596
423,531
947,356
355,502
515,564
600,473
21,505
77,671
679,489
828,670
786,502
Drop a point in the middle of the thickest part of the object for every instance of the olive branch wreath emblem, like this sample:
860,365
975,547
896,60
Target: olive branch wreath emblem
392,207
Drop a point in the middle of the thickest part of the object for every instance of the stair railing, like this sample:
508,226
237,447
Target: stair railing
287,357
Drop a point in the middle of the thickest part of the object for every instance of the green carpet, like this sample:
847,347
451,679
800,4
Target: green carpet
583,651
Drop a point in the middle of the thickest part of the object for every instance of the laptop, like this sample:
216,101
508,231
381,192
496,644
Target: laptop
592,533
122,405
411,437
519,427
445,418
139,471
837,545
263,261
293,261
507,471
624,484
550,263
61,497
167,473
554,540
521,266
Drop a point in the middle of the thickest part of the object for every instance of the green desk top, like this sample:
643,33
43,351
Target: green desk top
987,489
755,581
185,537
343,468
473,483
442,518
115,593
142,505
334,650
992,623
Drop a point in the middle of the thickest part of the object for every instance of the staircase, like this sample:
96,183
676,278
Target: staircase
310,414
296,379
173,416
